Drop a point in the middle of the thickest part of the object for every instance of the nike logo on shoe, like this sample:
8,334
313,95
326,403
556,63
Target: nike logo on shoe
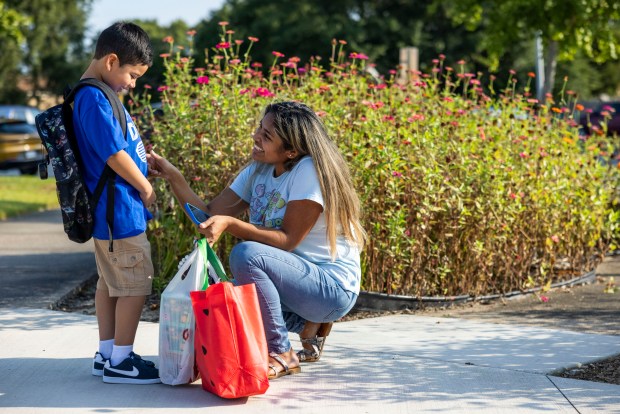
134,372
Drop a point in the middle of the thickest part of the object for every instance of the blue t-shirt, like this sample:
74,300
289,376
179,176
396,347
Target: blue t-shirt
99,136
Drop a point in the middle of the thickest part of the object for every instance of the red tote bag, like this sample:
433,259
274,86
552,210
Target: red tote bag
230,344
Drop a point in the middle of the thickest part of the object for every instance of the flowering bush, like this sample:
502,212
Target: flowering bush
467,187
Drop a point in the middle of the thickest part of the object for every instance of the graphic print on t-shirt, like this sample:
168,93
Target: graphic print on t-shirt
265,207
135,135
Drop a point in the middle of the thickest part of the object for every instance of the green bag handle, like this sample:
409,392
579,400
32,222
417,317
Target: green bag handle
211,258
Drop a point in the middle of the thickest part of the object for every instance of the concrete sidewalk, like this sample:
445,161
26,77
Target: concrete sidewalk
393,364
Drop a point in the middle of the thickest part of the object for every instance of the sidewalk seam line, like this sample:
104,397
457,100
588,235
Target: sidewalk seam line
563,395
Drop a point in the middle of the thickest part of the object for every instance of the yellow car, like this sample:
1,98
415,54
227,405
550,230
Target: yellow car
20,146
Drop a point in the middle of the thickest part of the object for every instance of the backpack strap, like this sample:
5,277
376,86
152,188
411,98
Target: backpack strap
108,176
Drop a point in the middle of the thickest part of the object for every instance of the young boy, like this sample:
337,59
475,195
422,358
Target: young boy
123,53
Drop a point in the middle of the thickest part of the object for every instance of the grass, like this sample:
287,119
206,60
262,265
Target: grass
26,194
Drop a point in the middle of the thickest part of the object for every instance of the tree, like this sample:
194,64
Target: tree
177,31
566,27
378,28
12,27
52,51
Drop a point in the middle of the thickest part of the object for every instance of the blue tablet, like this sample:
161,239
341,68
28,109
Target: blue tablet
197,215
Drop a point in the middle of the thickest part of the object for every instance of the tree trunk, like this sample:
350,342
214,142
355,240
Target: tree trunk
551,60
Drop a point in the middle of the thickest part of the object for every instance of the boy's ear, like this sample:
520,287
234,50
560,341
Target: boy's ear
110,60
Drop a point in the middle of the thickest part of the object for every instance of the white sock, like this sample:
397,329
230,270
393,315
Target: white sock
119,353
105,348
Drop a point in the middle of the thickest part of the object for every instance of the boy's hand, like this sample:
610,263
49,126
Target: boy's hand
148,198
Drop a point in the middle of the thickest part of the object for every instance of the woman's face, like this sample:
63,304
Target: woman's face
268,147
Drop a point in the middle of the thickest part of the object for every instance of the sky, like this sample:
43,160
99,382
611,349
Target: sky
106,12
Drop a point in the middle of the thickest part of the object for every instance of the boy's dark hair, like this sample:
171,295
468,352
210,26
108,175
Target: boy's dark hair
128,41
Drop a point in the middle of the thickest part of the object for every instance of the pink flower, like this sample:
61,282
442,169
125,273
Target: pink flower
162,88
222,45
253,39
191,32
203,80
277,54
396,174
223,23
168,39
555,238
164,55
235,61
147,86
544,298
264,92
356,55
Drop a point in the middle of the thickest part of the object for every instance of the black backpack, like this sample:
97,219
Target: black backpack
55,127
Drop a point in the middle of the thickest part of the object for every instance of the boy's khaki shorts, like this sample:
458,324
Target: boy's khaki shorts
128,270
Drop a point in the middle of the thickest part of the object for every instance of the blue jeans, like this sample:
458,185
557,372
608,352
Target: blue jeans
290,290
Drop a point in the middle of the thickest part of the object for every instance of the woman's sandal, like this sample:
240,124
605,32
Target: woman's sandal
313,346
285,371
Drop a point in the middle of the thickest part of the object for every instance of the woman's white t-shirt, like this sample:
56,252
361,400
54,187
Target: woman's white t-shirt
268,197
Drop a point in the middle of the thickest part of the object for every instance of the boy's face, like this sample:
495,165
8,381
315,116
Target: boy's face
121,77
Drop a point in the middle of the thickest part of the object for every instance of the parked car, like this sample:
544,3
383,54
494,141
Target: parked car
19,112
20,146
597,118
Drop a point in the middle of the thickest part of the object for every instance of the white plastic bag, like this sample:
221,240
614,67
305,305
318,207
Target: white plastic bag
176,317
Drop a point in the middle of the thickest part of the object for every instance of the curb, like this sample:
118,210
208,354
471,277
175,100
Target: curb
372,301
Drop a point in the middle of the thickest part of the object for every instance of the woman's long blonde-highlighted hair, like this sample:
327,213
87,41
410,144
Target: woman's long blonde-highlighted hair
301,130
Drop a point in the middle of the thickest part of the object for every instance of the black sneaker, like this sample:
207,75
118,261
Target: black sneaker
133,370
98,364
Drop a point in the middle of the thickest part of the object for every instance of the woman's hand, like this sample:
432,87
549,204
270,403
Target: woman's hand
214,227
161,167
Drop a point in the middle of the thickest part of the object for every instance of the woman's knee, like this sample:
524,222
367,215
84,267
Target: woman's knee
240,259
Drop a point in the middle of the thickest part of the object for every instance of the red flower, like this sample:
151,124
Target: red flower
203,80
222,45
